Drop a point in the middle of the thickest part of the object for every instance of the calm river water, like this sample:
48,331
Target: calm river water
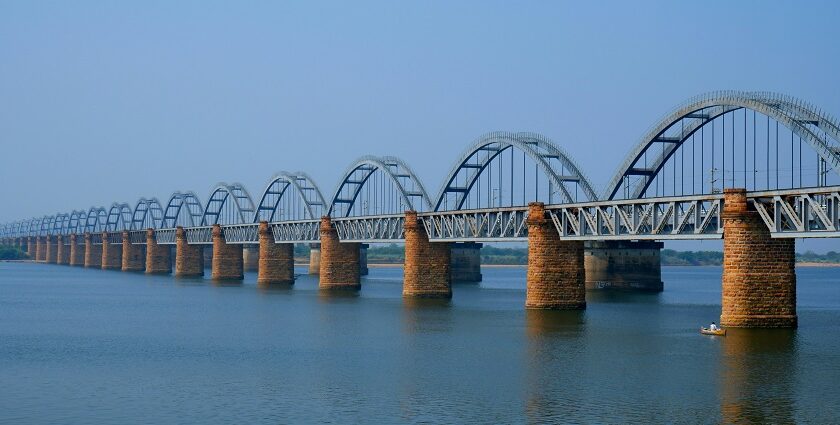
92,346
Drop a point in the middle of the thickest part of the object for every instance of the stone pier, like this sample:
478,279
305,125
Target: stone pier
250,257
314,258
77,250
133,256
63,249
277,261
427,265
227,258
32,247
189,259
625,265
158,257
111,254
339,261
555,267
759,278
466,262
40,249
93,253
51,255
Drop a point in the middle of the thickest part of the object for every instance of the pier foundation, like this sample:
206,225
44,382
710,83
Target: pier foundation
466,262
111,254
93,252
759,277
62,249
276,260
189,259
555,267
40,249
427,265
77,250
339,261
624,265
227,258
133,256
51,255
158,257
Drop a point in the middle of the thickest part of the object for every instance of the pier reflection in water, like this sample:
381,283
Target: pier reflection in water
153,348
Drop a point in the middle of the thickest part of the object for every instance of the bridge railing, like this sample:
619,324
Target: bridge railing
477,225
384,228
302,231
137,237
800,213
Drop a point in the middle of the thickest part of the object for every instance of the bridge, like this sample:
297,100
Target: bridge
755,169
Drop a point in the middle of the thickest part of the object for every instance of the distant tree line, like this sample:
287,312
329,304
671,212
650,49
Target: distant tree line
12,253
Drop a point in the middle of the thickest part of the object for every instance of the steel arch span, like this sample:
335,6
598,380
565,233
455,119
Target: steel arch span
820,131
228,204
148,214
77,222
557,166
183,209
304,202
61,225
96,220
119,217
395,176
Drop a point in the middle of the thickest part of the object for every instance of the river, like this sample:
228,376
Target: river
92,346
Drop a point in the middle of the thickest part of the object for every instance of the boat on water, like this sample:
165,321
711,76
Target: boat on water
717,332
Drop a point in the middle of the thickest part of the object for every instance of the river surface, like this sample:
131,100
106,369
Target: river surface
91,346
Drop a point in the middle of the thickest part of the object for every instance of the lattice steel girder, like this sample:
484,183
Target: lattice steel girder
373,229
477,225
800,213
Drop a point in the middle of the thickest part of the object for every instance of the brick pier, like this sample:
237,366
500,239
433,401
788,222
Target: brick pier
51,255
77,251
111,254
759,277
555,267
40,249
189,259
427,265
277,262
93,253
158,257
339,261
227,258
63,249
133,256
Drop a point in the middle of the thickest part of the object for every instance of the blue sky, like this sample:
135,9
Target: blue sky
112,101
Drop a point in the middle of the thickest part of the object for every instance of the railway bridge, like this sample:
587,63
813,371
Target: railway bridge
756,169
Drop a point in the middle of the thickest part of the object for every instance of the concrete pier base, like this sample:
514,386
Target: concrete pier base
466,262
227,258
276,260
158,257
339,261
624,265
759,276
314,258
555,267
189,259
427,265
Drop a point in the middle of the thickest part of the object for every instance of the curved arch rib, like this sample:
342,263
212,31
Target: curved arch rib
303,186
148,213
484,150
179,202
242,201
397,171
797,116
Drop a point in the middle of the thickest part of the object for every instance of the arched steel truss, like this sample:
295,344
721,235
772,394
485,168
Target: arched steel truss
119,218
46,225
61,224
186,203
96,220
397,172
481,153
312,200
147,214
243,205
819,130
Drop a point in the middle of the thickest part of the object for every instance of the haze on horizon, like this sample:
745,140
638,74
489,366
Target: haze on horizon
104,102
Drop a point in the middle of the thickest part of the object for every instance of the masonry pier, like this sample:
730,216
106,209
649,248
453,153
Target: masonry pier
555,267
133,256
51,255
63,249
111,254
77,250
93,252
189,259
158,257
339,261
276,260
40,249
427,265
227,258
625,265
759,277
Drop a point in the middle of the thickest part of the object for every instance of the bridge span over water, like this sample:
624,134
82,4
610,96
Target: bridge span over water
753,168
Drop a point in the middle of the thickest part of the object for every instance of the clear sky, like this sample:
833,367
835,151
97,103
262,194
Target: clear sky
112,101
